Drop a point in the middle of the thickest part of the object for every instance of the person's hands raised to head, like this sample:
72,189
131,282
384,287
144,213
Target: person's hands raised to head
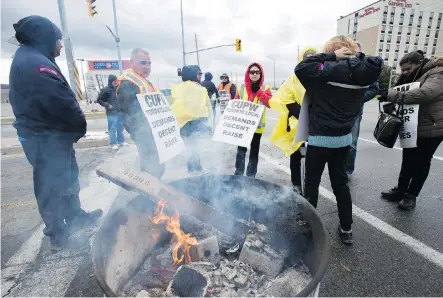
344,53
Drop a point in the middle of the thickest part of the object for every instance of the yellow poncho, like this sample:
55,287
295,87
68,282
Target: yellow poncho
190,102
292,91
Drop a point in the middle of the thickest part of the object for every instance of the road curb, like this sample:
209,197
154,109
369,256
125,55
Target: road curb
80,145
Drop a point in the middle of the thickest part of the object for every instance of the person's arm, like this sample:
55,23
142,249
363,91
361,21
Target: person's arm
47,86
430,91
103,98
233,91
314,67
371,92
214,90
264,96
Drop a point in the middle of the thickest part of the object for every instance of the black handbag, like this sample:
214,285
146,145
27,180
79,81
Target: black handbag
388,126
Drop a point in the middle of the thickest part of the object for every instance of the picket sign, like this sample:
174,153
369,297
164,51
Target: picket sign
238,123
408,133
164,125
302,133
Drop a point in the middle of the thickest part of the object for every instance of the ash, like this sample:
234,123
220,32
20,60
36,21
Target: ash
240,274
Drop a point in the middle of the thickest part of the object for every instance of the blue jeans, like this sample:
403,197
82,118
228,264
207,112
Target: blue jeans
56,184
115,128
352,155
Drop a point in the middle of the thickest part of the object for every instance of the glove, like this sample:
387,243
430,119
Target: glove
383,97
293,110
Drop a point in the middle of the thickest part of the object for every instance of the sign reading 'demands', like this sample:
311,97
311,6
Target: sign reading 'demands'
164,126
238,123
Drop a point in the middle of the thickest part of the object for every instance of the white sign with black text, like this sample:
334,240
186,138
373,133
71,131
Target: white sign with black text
408,133
164,125
238,123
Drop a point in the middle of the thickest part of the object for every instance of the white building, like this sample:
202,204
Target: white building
390,29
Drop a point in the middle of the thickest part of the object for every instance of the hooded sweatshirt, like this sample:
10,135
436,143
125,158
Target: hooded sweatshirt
108,97
209,85
190,99
43,103
254,89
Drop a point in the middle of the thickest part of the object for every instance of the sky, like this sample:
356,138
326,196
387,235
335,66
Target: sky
275,28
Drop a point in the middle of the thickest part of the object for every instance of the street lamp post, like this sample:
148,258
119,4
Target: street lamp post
274,70
117,39
183,34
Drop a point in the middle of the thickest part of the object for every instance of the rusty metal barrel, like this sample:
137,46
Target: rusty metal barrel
124,240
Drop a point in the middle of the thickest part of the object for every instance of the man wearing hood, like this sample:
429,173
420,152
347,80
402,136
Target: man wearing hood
210,86
227,86
255,92
49,121
287,101
192,108
108,99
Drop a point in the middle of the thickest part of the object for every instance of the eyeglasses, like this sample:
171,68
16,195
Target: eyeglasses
254,72
144,62
199,73
222,78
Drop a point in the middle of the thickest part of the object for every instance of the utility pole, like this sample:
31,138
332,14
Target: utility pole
67,43
183,34
83,75
117,39
196,49
274,70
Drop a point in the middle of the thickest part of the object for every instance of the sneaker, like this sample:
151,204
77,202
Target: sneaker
297,189
124,144
345,236
408,202
114,147
393,195
238,173
69,241
85,220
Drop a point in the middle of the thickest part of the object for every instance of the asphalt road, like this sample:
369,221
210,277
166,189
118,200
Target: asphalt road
396,253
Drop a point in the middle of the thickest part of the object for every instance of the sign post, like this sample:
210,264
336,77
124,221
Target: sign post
238,123
164,126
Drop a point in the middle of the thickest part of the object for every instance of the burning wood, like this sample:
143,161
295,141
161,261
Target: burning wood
180,240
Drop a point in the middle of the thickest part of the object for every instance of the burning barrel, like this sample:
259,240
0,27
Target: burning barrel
150,248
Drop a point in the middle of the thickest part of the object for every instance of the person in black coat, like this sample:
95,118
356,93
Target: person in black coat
210,86
108,99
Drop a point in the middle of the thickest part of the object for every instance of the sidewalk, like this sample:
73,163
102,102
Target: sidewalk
92,139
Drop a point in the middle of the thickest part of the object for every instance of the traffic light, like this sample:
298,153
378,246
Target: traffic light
91,9
238,45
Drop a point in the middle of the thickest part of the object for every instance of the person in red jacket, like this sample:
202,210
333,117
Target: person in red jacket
255,92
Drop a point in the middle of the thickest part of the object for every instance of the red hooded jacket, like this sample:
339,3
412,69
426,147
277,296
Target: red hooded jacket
263,96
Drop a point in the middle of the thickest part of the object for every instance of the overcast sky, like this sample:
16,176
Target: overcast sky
267,28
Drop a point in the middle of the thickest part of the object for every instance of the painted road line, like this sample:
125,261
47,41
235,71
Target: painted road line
61,268
374,142
415,245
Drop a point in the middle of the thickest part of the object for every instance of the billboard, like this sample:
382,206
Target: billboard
106,65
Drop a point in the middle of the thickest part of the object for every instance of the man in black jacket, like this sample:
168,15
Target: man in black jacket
210,86
108,99
335,83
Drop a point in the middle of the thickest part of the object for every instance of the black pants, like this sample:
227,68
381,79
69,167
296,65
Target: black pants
192,132
416,163
147,151
316,159
240,160
295,164
56,184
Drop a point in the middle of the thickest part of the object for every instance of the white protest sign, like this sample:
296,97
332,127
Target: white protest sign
238,123
164,126
408,133
302,133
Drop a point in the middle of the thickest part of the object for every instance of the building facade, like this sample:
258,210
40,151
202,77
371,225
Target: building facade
392,28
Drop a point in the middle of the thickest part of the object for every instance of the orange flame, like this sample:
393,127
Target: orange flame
180,240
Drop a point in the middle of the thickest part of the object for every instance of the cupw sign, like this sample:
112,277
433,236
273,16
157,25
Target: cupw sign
408,133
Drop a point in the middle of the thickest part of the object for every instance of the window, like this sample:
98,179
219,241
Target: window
406,49
426,41
433,51
383,28
389,38
391,20
355,28
432,14
428,33
418,32
398,38
381,47
386,9
396,57
440,15
393,10
409,30
390,29
408,39
435,42
382,38
394,65
425,49
436,34
403,11
438,24
397,48
419,23
402,19
430,24
411,19
416,41
354,36
421,14
412,11
386,56
400,29
384,18
388,47
415,48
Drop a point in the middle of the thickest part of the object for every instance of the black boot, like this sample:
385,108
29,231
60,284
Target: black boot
84,220
394,195
345,236
408,202
66,240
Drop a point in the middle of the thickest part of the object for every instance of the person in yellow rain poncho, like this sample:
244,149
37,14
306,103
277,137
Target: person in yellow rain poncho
287,101
192,108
